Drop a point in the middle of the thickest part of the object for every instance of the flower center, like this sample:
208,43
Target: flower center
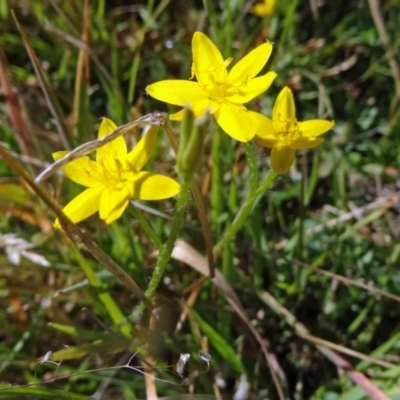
216,84
286,129
115,174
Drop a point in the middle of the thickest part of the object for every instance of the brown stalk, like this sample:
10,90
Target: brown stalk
343,279
14,114
380,26
48,92
82,73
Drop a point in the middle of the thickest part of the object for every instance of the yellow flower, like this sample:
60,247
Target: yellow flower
114,178
221,92
284,134
264,8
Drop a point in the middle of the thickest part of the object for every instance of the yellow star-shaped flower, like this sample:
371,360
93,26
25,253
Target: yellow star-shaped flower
221,92
263,8
114,178
284,134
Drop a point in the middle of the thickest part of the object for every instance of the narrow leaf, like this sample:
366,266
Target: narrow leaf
219,343
52,101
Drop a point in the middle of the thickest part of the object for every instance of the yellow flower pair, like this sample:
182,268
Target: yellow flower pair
223,94
116,176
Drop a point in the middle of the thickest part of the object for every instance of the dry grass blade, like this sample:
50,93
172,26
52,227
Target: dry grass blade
345,350
82,80
73,231
89,147
52,102
151,390
360,379
380,26
343,66
343,279
16,119
188,255
81,45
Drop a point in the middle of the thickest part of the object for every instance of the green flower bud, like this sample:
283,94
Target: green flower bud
191,144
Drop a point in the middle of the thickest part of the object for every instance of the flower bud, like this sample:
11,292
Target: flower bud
191,144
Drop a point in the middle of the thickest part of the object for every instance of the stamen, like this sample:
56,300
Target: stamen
287,129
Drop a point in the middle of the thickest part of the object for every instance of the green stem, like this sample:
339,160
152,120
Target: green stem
166,249
136,61
300,273
209,7
244,211
252,163
217,200
145,225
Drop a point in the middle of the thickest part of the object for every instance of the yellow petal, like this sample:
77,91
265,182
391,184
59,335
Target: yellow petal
142,152
59,154
254,88
106,127
282,159
250,65
177,92
82,206
236,121
116,212
208,63
112,151
83,170
151,186
263,126
284,112
263,9
113,203
178,116
315,127
269,141
305,143
264,130
198,109
206,105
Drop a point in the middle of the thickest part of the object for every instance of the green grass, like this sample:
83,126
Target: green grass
314,255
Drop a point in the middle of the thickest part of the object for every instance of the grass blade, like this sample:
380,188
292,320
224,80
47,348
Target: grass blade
51,99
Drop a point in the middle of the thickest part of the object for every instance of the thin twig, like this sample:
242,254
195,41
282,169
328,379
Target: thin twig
380,26
89,147
340,278
356,213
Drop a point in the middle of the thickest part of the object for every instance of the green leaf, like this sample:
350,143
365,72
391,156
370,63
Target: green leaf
220,344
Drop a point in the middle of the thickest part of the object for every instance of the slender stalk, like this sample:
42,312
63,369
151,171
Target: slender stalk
228,266
137,58
300,274
216,176
252,163
145,225
244,211
165,250
198,198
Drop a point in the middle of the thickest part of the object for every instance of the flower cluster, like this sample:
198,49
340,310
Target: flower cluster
116,176
223,93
